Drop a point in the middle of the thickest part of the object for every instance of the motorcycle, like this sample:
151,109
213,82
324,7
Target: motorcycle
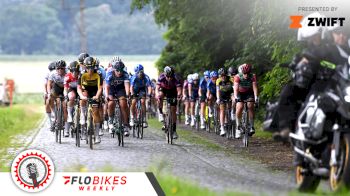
321,137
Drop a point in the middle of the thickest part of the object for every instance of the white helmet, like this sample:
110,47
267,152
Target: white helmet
116,58
195,76
305,31
189,77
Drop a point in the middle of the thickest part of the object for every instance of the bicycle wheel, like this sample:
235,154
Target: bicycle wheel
90,129
61,120
142,115
245,127
77,127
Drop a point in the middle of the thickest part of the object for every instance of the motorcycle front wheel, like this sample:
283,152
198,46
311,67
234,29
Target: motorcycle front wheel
306,181
340,173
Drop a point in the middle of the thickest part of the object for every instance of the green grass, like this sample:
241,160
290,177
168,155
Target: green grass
188,136
18,120
28,98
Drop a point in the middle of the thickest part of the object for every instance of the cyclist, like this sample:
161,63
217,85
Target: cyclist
70,91
51,67
224,90
193,88
118,87
185,99
101,71
140,85
232,72
90,86
245,90
203,96
168,85
81,58
55,86
211,92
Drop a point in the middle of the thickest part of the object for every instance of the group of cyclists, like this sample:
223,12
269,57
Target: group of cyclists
86,79
226,88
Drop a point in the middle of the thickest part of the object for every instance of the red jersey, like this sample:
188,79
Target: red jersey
70,81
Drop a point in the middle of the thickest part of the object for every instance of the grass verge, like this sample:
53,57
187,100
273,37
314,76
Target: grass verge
15,121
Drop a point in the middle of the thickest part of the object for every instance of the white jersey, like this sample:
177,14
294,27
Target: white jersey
57,79
46,78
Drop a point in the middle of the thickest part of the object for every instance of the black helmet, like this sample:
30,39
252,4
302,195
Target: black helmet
74,66
222,72
169,71
232,71
82,57
118,65
60,64
52,65
89,62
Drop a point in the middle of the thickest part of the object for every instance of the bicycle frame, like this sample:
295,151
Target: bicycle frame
118,123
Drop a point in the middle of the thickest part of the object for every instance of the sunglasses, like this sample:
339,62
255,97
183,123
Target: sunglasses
58,68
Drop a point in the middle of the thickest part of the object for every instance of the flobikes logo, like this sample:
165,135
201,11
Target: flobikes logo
95,182
32,170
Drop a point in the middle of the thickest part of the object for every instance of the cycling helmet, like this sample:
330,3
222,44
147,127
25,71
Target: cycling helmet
74,66
207,73
52,65
213,74
82,57
116,58
138,68
232,71
89,62
222,72
97,61
60,64
306,31
246,68
168,71
195,76
118,65
189,77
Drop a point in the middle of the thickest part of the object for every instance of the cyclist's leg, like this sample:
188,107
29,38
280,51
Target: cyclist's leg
192,110
160,105
83,113
97,121
50,111
172,95
110,111
124,110
239,110
187,113
133,109
250,99
71,98
143,104
202,112
222,118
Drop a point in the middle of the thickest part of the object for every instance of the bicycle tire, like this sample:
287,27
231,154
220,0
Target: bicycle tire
61,117
90,129
77,127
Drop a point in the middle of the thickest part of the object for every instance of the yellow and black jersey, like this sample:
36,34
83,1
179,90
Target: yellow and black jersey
90,83
225,86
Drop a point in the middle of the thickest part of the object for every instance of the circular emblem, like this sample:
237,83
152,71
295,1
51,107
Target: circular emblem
32,170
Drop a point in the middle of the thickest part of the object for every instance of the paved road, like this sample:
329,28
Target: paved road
219,171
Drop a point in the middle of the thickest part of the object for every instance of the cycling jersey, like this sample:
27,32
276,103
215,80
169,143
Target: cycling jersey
194,91
70,81
211,86
168,85
90,84
116,84
225,87
47,75
245,85
185,86
139,84
57,83
203,85
101,71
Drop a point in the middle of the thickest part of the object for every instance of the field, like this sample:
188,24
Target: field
29,71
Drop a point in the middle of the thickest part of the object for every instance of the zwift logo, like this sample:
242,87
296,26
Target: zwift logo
95,183
316,21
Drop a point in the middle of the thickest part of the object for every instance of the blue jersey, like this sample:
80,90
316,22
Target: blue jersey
203,85
101,71
140,84
116,83
211,86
